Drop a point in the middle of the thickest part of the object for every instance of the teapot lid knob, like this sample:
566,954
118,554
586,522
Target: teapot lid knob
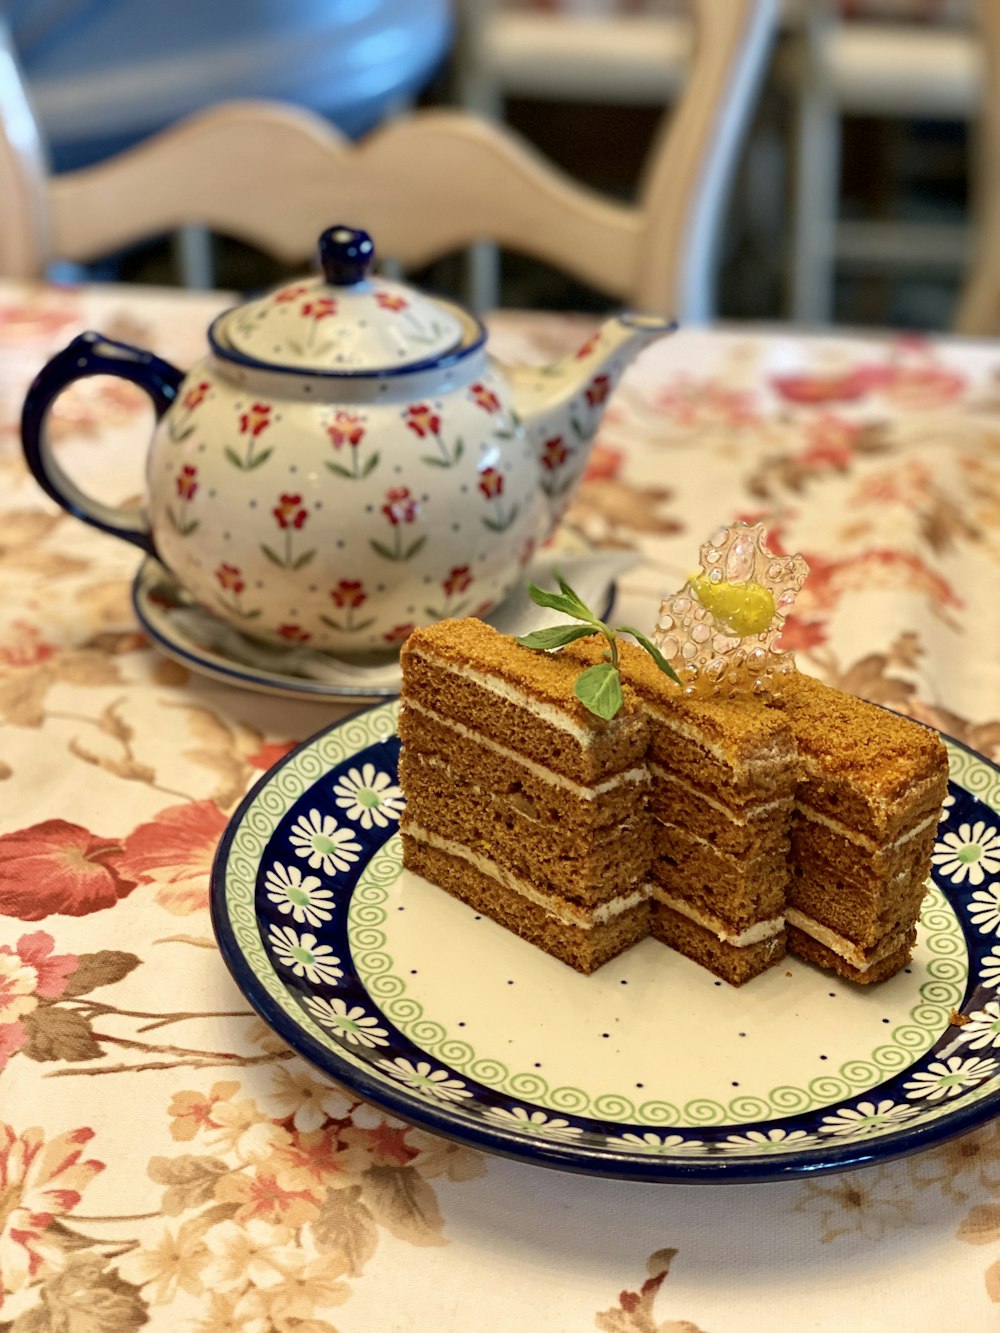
346,254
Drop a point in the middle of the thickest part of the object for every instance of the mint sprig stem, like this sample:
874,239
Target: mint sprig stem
598,687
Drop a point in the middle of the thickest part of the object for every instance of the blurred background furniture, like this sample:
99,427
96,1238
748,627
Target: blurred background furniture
105,74
979,310
604,55
425,184
905,69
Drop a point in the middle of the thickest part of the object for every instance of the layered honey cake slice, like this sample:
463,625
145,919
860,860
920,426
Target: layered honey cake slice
520,801
866,813
723,774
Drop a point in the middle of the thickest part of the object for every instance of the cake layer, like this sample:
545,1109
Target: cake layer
585,948
749,830
806,946
739,892
733,964
553,901
863,766
859,911
465,671
814,839
734,745
587,870
436,751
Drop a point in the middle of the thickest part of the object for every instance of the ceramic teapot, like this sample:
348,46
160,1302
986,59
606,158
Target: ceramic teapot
346,462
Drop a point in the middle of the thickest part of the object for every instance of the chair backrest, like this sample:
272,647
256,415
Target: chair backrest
424,185
978,313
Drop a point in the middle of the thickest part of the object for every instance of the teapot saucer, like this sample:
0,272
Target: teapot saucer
191,635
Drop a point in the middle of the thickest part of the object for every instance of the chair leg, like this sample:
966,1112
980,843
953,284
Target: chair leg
816,194
192,246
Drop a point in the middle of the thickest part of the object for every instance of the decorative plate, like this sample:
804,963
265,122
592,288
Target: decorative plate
649,1069
189,634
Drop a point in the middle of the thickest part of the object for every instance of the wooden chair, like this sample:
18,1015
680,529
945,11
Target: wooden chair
890,71
979,308
426,184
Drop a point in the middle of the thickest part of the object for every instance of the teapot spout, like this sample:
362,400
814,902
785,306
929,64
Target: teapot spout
561,405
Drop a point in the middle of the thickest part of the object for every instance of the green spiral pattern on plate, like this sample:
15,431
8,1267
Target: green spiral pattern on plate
947,968
942,937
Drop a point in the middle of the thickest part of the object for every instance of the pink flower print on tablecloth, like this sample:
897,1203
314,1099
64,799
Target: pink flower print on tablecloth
42,1182
58,867
291,516
186,484
425,423
29,972
831,443
180,426
231,588
458,580
401,509
174,853
813,388
348,428
269,754
491,486
348,596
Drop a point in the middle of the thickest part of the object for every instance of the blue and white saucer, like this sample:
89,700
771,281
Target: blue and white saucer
649,1069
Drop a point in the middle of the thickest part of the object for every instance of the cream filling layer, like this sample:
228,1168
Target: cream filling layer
569,914
555,717
862,839
748,865
743,817
636,775
755,934
843,948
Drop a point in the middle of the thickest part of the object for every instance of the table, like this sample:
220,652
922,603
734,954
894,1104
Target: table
142,1106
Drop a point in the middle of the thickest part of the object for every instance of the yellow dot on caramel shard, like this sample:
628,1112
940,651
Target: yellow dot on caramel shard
740,608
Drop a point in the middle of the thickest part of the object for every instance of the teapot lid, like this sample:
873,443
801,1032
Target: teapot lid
343,322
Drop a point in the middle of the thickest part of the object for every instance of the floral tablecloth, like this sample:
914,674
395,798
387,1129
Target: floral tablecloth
165,1161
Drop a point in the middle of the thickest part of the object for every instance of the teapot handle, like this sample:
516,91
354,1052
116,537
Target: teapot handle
92,354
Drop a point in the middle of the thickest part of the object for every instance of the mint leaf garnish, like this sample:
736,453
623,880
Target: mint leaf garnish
557,636
599,687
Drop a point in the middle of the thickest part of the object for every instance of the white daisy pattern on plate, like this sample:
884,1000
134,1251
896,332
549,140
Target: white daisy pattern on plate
949,1078
973,852
304,955
348,1021
659,1143
323,843
867,1118
300,896
534,1122
425,1078
984,909
369,797
771,1140
983,1027
989,973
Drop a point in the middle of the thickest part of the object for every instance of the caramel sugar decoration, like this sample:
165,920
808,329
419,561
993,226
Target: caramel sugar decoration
719,631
